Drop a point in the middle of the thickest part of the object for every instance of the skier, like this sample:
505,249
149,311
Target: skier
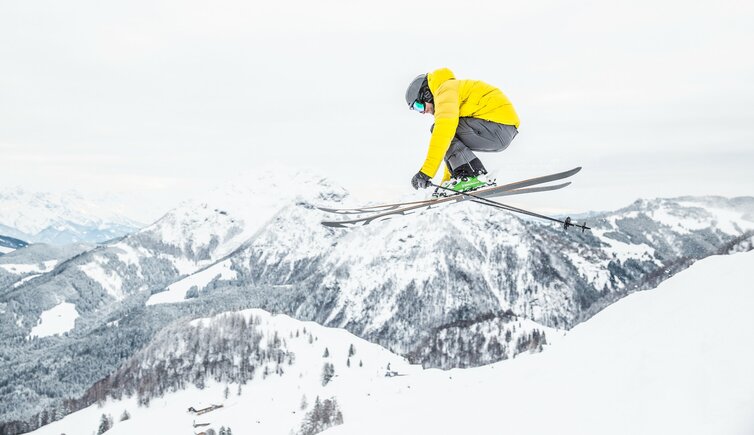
470,115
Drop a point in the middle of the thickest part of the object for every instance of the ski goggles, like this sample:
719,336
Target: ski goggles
418,106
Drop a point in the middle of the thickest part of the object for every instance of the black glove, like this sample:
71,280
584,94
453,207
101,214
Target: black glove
421,180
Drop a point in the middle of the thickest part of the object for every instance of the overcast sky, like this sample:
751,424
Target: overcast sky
157,100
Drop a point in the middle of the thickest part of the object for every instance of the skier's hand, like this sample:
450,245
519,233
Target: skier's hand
421,180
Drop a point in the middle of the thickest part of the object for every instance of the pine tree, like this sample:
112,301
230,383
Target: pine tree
328,371
316,413
327,353
337,416
304,403
125,416
348,362
228,431
226,393
192,293
105,423
351,350
222,430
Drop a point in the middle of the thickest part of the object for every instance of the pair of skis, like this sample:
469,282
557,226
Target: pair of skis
388,211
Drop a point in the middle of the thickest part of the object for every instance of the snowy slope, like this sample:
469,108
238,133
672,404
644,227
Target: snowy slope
675,359
178,291
671,360
269,404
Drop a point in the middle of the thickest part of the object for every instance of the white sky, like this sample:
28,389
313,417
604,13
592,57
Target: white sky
156,100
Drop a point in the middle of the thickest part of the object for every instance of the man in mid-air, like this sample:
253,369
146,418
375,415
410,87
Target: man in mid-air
470,115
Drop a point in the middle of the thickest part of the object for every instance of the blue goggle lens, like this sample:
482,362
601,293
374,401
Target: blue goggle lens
418,106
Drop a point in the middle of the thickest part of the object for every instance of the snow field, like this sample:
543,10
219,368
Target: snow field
20,282
57,320
176,292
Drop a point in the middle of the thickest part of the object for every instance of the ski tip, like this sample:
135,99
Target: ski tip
339,224
325,209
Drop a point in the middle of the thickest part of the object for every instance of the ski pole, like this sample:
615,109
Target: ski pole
566,223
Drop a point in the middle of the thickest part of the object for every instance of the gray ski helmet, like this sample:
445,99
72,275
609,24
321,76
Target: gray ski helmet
412,93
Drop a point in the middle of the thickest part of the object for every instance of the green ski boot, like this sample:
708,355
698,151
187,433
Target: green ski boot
464,184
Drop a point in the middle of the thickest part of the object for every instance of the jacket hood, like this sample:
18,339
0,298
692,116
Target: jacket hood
438,77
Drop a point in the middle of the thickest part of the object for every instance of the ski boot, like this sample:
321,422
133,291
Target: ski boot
463,184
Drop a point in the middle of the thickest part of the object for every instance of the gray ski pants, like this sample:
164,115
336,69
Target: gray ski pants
475,134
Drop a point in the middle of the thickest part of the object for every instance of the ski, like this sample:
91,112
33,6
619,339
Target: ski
425,205
486,201
483,192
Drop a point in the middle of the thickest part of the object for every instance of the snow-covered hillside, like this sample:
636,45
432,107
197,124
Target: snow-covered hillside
22,265
671,360
675,359
60,218
278,397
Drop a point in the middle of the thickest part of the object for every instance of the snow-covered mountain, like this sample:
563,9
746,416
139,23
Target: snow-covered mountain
460,286
419,284
22,265
669,360
10,244
60,218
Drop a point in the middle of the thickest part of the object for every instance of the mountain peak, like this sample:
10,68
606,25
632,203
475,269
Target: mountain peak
226,216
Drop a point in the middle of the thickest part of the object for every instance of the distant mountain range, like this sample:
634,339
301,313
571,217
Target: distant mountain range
59,219
459,286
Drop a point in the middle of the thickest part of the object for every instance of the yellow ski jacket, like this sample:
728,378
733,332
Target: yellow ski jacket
461,98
